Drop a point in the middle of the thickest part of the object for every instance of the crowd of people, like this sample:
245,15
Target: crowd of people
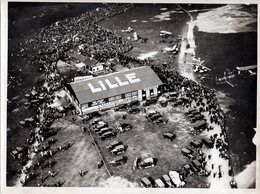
45,48
82,34
202,98
78,33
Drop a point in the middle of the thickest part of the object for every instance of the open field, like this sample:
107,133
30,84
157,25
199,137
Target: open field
144,139
82,155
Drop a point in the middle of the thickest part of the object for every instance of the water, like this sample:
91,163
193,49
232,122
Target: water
229,50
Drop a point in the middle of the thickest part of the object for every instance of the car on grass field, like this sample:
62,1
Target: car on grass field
28,177
169,136
200,125
120,107
186,169
133,110
196,164
150,101
118,161
134,103
155,116
159,183
197,117
20,150
95,121
108,135
167,180
145,182
119,149
196,144
113,145
103,130
122,127
208,142
150,113
101,124
188,153
148,162
159,120
175,177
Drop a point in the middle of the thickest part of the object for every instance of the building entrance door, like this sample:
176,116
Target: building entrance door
143,95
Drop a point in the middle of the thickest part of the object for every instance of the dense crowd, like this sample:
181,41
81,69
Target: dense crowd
202,98
45,48
82,34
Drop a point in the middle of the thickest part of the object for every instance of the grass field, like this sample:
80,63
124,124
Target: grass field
145,139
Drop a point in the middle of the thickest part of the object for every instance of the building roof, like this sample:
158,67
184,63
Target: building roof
86,60
130,80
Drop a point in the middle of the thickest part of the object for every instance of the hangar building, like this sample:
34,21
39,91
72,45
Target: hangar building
114,89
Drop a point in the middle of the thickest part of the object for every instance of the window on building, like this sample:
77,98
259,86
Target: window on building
90,104
111,99
128,95
135,93
100,101
106,100
151,92
123,96
84,106
118,97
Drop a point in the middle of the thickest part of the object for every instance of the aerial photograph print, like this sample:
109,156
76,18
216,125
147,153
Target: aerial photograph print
131,95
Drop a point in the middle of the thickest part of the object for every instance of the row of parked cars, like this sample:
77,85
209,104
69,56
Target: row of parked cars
116,148
170,180
196,161
102,130
197,119
155,117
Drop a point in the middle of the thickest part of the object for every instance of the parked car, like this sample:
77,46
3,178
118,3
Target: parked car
150,101
196,164
155,116
148,162
103,130
113,145
200,125
208,142
175,177
159,183
188,153
108,135
134,110
118,161
122,127
196,144
120,107
145,182
167,180
95,121
169,136
119,149
150,113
